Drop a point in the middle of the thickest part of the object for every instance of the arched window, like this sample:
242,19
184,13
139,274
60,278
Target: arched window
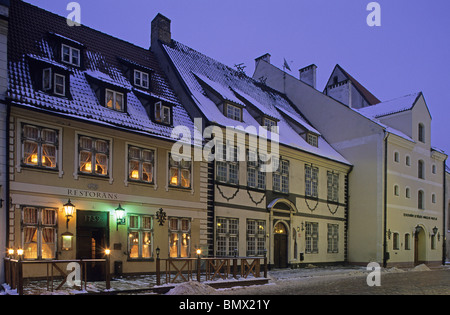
421,133
421,169
396,190
408,160
408,192
396,157
420,200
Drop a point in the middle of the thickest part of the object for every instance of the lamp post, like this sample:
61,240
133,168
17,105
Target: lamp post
69,208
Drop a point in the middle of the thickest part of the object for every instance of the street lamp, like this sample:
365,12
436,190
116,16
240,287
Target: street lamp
69,208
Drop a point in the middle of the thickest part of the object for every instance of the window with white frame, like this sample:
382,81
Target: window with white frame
333,238
39,230
140,236
227,236
255,177
93,156
180,237
312,237
312,139
162,113
114,100
141,79
311,181
53,82
39,146
269,123
256,237
280,177
140,164
179,172
70,55
332,186
227,168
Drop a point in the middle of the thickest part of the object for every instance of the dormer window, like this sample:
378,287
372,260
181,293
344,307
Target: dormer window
70,55
114,100
312,139
233,112
269,123
53,82
163,113
141,79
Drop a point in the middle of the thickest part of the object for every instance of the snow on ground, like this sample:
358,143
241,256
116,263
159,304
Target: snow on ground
284,278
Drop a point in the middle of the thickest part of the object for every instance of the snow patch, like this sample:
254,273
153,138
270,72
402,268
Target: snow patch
191,288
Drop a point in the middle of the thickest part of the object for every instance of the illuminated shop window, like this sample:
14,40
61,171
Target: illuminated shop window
140,236
179,172
140,164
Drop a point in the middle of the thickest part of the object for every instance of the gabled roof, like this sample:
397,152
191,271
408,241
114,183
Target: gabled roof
394,106
195,69
365,93
31,30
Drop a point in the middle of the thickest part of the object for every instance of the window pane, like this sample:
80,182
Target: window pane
184,250
59,84
86,162
119,101
173,245
101,166
30,243
185,178
48,155
47,79
48,243
30,153
147,172
134,170
75,57
48,217
174,176
30,216
134,244
109,99
133,222
146,223
66,53
146,245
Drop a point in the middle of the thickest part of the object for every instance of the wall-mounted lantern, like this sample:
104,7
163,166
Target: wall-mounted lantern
120,216
69,208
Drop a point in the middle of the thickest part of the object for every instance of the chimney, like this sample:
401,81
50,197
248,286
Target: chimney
161,30
265,57
308,75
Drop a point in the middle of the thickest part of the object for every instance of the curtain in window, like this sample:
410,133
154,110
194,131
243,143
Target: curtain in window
101,164
48,155
30,152
86,161
147,172
30,215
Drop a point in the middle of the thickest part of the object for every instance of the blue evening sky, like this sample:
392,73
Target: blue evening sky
409,52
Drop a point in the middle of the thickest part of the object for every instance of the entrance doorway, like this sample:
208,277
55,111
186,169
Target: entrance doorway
280,248
92,240
419,246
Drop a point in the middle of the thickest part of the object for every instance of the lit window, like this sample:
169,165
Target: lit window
141,79
162,113
180,237
141,162
94,156
39,146
227,239
114,100
39,232
179,173
256,237
140,236
234,112
70,55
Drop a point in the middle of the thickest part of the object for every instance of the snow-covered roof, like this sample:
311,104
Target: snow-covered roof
196,70
391,107
31,32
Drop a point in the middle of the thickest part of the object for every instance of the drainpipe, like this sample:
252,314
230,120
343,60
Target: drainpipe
444,228
385,253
